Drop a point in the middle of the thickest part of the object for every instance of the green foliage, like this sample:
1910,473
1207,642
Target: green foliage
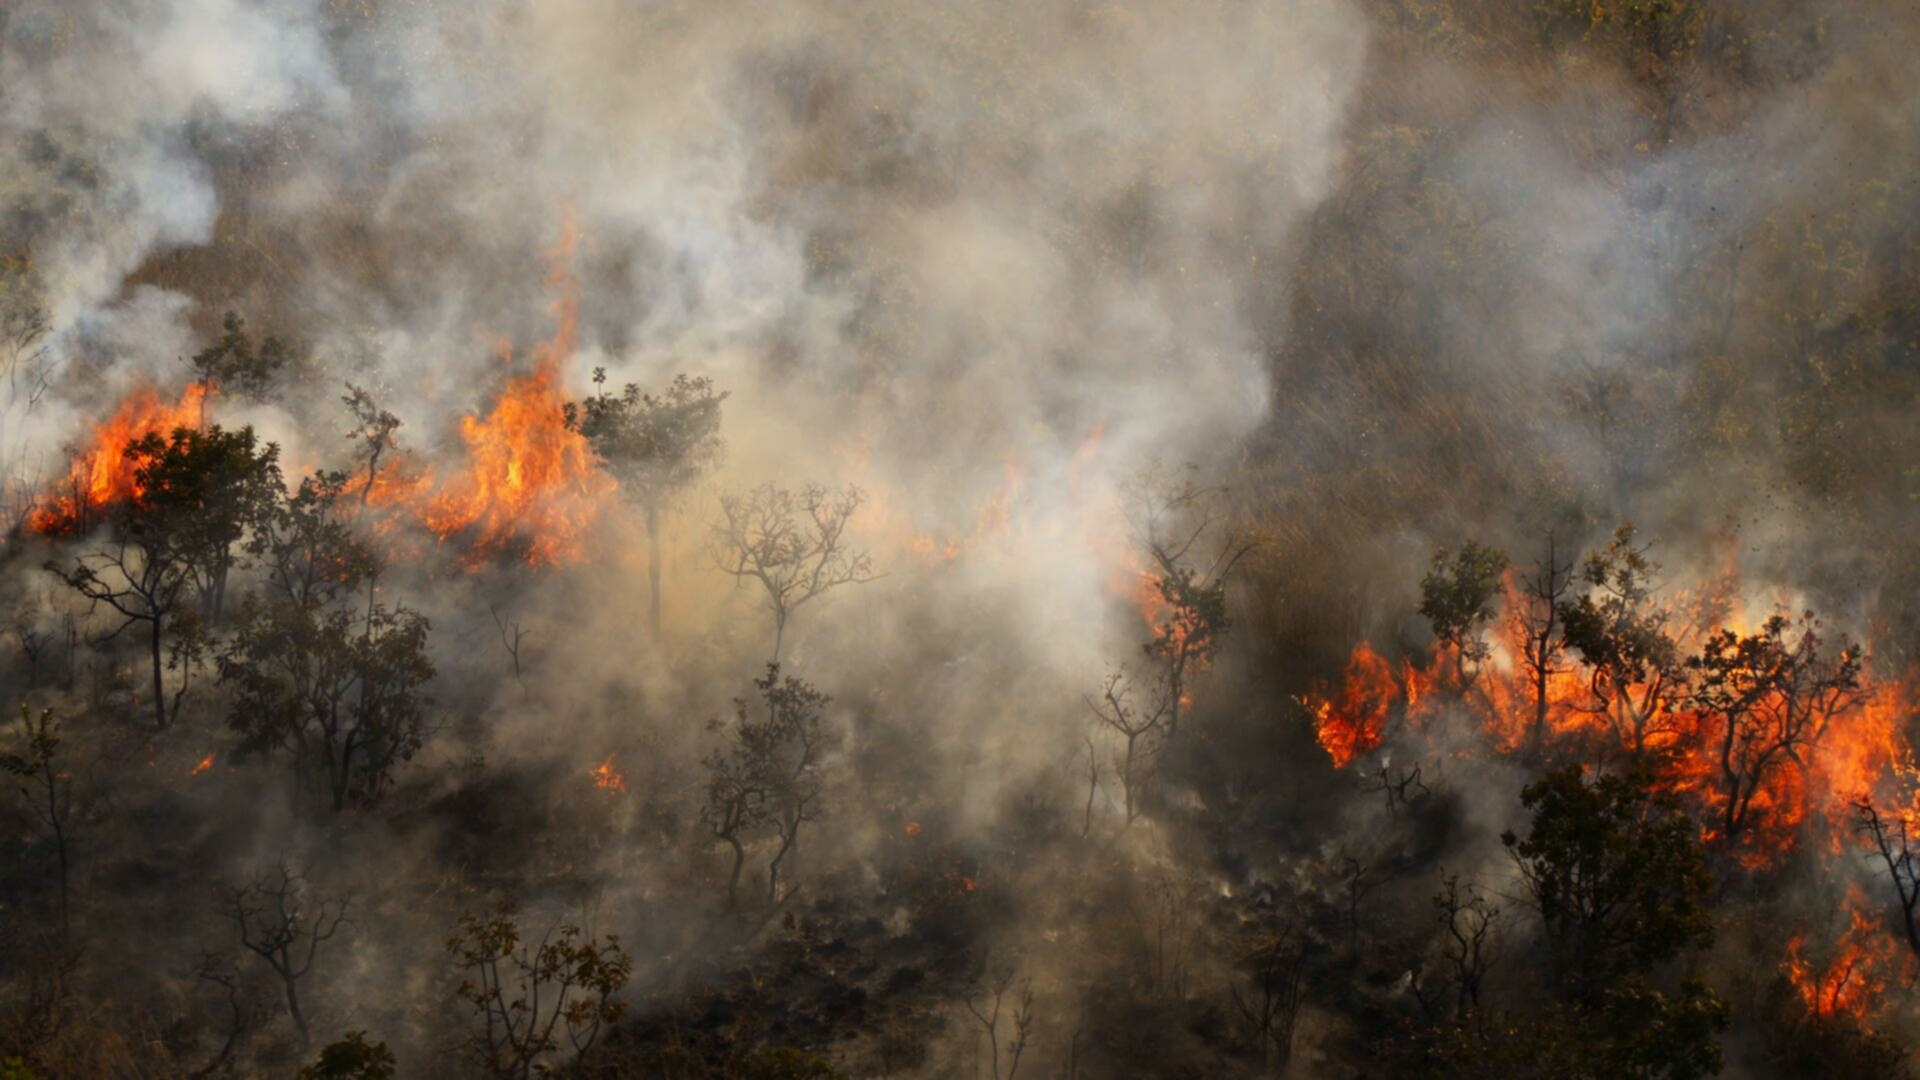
1196,618
198,492
352,1057
1458,592
654,446
340,693
14,1068
527,996
766,775
308,547
234,365
1621,632
1617,875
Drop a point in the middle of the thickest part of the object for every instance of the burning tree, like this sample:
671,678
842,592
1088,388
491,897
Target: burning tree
525,998
1771,701
1184,530
1536,620
195,494
1894,845
655,447
792,543
1621,631
211,487
372,430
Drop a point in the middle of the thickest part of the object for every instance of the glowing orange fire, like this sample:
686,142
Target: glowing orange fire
205,764
1863,749
530,485
100,474
607,778
1856,971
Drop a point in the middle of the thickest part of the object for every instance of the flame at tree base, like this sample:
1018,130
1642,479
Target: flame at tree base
100,475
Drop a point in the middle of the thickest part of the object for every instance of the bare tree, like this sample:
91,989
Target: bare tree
373,430
1137,727
1402,787
1542,592
1175,899
1892,843
1273,968
1467,920
144,579
992,994
283,922
217,969
1093,788
1186,532
527,996
512,636
23,331
46,786
793,543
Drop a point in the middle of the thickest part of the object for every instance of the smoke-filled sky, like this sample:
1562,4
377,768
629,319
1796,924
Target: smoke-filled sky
1393,274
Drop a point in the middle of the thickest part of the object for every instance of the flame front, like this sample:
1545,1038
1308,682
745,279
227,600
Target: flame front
530,485
100,475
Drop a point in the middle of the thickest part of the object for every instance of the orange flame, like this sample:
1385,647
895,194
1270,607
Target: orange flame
100,474
205,764
1856,973
1863,748
530,484
607,778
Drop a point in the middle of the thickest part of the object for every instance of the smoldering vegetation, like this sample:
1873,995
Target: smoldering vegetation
958,539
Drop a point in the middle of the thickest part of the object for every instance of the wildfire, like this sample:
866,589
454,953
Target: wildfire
206,763
1860,749
1353,720
607,778
530,485
912,829
100,474
1855,975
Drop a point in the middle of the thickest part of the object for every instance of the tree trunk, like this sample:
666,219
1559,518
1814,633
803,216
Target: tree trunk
787,838
159,687
293,1009
733,880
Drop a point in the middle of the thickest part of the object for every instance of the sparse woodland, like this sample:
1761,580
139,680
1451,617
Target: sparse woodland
1037,541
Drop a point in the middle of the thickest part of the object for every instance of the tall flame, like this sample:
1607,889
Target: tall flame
100,474
530,485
